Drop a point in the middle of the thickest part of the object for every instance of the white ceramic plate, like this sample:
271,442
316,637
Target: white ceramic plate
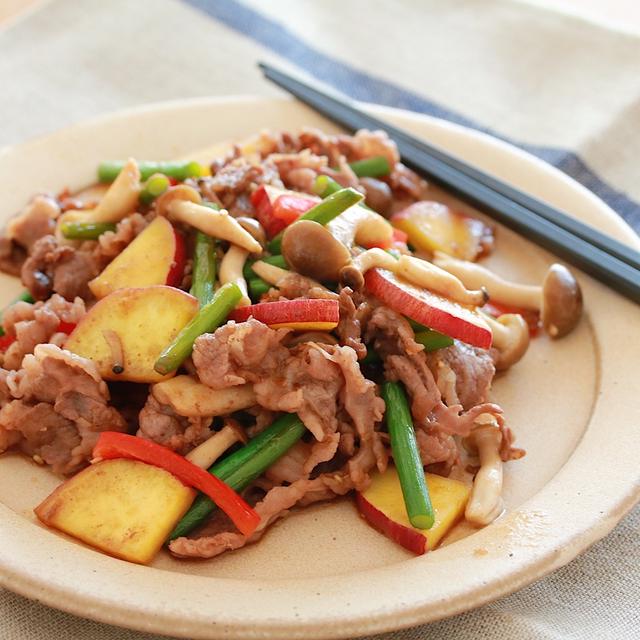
324,573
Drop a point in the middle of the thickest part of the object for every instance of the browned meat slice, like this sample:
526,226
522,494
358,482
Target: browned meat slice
239,353
12,256
437,448
111,243
353,318
163,425
391,333
38,323
291,466
59,407
35,221
53,267
276,504
473,369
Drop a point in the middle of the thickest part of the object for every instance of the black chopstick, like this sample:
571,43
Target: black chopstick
595,253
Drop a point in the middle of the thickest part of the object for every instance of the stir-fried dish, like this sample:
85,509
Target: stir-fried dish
203,349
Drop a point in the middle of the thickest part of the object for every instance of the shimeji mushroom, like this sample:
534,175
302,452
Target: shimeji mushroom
311,250
183,203
485,503
277,276
510,337
415,270
231,271
120,199
205,454
558,299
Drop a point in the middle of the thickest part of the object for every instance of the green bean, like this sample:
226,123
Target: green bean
324,212
372,357
257,288
277,261
242,467
375,167
432,340
108,171
25,296
324,186
204,268
407,457
85,230
209,318
155,186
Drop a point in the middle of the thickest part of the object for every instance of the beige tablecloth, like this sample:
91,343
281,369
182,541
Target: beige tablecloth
563,89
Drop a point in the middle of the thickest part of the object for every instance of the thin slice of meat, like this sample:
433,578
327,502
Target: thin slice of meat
38,323
354,314
62,269
391,333
111,243
276,504
161,424
35,221
292,465
59,406
239,353
473,368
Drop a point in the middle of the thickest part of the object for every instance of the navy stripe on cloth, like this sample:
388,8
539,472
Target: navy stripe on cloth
363,86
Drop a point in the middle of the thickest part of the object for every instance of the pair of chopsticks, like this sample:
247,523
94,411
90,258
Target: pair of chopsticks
597,254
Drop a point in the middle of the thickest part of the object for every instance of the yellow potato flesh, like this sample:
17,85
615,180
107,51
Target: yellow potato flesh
437,228
448,497
146,261
145,320
123,507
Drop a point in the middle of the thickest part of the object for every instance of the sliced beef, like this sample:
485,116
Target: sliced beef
354,314
37,220
473,369
38,323
161,424
53,267
58,407
111,243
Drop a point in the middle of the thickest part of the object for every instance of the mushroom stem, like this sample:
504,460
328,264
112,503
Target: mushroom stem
434,278
510,337
361,226
485,503
218,224
472,275
210,450
231,271
269,272
417,271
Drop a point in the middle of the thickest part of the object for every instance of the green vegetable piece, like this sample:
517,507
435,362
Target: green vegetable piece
85,230
209,318
324,212
375,167
432,340
324,186
155,186
257,288
407,457
277,261
204,268
242,467
372,357
25,296
108,171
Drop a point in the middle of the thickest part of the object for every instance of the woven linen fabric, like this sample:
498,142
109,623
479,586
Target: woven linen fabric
564,89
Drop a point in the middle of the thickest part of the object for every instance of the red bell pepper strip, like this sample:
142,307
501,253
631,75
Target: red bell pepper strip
121,445
66,327
274,214
6,342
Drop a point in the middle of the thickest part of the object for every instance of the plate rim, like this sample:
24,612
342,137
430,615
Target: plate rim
93,606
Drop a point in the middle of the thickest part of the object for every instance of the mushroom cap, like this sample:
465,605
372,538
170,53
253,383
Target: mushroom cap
311,250
517,340
352,277
561,301
178,192
238,430
254,228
